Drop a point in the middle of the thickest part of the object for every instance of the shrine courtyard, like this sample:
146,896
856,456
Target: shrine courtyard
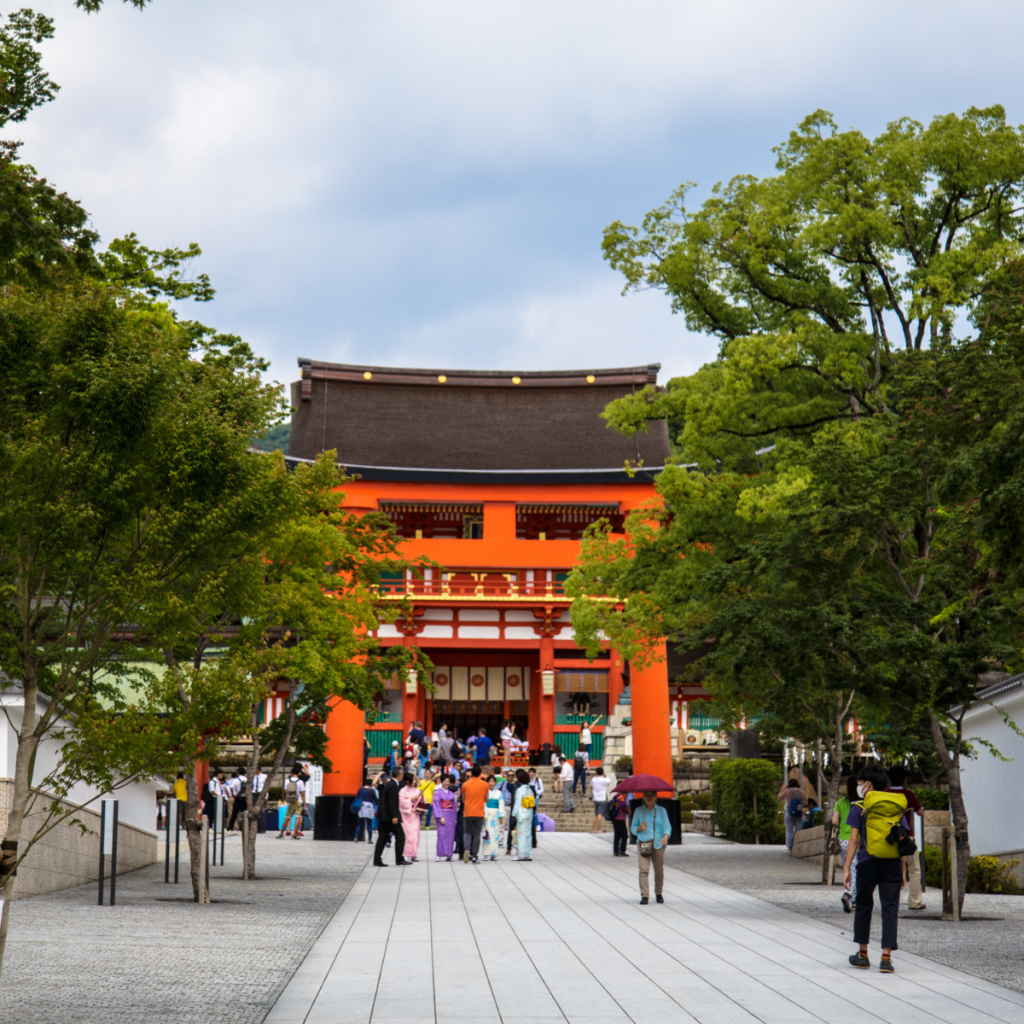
324,938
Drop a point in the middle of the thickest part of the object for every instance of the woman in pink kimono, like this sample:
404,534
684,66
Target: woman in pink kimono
446,811
410,803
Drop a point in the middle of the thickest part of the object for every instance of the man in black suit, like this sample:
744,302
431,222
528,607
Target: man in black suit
389,821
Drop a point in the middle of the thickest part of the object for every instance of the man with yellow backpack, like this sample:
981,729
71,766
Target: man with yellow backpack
880,842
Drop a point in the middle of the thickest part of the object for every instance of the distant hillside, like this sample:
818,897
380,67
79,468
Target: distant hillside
275,439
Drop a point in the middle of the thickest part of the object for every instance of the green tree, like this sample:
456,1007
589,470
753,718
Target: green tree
826,533
284,589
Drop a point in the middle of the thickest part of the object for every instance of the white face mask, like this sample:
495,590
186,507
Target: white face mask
862,788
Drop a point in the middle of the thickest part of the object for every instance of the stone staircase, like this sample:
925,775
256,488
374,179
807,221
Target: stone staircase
579,820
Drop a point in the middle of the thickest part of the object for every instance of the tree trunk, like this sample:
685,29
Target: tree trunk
24,761
957,807
256,808
196,853
835,752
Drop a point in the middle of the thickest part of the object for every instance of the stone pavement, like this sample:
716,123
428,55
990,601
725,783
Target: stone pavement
155,957
988,943
563,939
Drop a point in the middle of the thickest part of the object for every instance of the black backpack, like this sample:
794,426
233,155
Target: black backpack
579,760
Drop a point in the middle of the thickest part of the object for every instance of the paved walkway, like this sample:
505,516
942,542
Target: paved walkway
157,957
988,942
564,939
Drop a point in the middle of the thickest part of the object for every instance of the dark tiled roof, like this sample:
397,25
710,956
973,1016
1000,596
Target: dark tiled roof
391,421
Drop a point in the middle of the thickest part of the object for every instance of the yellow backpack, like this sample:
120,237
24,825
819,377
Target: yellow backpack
882,811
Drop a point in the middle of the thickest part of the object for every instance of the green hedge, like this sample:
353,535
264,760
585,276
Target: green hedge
984,874
734,784
933,799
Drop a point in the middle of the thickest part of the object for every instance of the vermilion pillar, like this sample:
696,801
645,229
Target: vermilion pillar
345,731
545,705
410,701
649,710
614,680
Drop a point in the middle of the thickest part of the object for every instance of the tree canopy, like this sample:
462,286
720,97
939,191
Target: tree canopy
831,522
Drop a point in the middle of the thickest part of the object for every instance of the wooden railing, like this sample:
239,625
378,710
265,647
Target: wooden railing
483,589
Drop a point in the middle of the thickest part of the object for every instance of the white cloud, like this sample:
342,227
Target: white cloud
427,182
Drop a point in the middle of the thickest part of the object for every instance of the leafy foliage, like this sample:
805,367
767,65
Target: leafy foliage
743,797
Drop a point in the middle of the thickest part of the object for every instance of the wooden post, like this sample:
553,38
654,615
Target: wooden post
245,844
947,903
954,877
757,837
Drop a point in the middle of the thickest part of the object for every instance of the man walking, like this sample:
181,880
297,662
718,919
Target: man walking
259,780
474,797
580,761
389,821
295,798
897,776
879,864
566,776
237,786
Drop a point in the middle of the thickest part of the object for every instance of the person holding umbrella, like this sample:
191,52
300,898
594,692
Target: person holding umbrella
652,829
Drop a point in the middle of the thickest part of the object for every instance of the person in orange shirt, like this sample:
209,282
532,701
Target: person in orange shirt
474,798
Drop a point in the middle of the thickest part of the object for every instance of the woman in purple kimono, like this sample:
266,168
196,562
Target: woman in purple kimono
446,810
410,803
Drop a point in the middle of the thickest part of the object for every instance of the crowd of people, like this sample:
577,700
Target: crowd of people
475,812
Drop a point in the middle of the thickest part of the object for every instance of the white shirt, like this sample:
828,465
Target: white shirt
599,784
506,733
538,786
585,735
235,786
216,788
258,782
566,773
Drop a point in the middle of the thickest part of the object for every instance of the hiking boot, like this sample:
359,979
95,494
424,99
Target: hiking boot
856,960
659,898
644,901
886,966
847,903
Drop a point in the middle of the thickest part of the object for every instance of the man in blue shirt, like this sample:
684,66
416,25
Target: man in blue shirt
650,824
483,748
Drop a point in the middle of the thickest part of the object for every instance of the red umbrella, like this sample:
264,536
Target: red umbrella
640,783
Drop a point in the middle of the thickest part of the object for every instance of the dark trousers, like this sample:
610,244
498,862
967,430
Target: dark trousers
240,805
620,838
579,775
385,830
472,829
887,876
460,835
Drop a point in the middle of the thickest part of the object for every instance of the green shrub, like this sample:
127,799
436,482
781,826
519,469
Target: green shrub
686,817
933,799
275,793
817,818
933,867
984,874
735,782
992,875
624,765
703,800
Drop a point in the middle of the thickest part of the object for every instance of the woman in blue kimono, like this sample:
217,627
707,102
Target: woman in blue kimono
445,814
494,820
523,810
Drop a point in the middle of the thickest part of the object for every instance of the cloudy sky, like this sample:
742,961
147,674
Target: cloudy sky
425,182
